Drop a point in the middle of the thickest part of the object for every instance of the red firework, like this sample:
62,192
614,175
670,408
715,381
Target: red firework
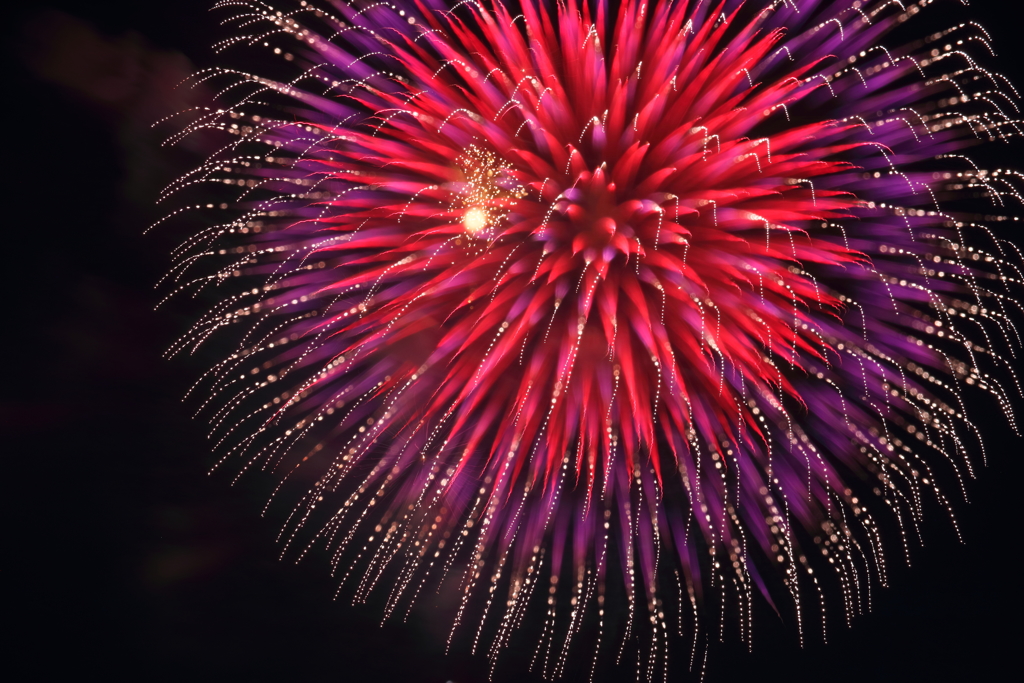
643,300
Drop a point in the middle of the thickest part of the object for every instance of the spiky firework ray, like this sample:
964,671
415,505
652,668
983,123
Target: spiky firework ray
561,303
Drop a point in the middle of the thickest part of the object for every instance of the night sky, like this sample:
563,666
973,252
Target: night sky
126,561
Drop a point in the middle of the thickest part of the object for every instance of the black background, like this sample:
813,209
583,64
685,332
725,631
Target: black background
124,560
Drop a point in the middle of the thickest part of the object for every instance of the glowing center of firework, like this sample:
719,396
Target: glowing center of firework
596,220
474,220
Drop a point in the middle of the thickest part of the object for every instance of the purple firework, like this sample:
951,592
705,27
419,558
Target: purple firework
627,314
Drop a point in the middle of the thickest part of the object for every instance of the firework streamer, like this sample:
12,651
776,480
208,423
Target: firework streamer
616,319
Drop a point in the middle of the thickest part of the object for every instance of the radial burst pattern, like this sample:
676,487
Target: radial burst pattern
620,314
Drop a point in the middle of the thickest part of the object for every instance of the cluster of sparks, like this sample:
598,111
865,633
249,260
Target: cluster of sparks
628,316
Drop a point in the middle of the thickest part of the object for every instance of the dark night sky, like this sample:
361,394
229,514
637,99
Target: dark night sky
126,561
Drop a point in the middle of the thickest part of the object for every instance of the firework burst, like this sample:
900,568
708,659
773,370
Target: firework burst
624,314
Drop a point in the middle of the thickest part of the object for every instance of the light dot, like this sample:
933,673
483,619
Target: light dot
474,220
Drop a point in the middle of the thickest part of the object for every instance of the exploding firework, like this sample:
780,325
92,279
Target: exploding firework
628,315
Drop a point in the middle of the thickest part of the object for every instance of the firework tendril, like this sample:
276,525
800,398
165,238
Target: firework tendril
626,316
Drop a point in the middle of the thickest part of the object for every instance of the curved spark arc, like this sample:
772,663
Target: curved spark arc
560,292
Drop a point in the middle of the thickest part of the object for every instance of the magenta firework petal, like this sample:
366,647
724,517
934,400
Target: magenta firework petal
630,315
